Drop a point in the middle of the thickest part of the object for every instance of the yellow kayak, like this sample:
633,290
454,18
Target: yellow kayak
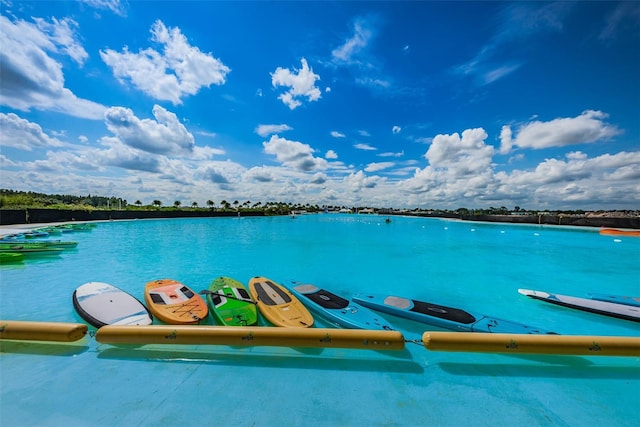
279,305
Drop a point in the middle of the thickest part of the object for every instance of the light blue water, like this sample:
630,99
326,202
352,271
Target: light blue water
473,266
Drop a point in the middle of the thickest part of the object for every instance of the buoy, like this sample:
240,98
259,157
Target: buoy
251,336
41,331
532,344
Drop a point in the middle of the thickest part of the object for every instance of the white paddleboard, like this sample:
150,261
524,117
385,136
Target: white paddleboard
103,304
621,311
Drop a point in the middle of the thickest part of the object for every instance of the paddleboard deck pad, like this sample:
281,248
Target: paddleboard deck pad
278,305
343,312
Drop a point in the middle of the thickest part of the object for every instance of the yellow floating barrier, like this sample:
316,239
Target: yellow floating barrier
532,344
251,336
41,331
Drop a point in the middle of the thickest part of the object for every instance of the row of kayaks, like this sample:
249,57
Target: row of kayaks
14,248
15,251
231,303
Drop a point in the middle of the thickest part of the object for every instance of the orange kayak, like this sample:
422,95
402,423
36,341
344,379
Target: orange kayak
616,232
174,303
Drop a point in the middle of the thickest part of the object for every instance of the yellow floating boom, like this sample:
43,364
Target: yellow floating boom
41,331
251,336
532,344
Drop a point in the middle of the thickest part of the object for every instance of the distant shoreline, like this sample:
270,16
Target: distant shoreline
41,216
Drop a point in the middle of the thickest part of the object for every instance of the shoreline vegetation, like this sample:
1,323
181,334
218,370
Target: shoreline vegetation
32,208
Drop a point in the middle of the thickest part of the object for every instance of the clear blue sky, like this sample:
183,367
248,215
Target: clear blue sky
385,104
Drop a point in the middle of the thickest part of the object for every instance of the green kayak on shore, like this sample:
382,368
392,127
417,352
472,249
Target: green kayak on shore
230,303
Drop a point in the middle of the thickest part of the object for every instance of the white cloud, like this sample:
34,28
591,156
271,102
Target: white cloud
23,134
266,130
294,154
374,167
260,174
464,155
337,134
364,133
365,147
331,155
31,77
396,129
586,128
356,182
115,6
179,70
373,82
362,34
63,34
391,154
301,84
164,135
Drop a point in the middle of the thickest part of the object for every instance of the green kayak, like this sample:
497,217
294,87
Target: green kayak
230,303
11,257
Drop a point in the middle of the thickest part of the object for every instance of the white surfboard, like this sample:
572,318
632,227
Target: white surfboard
103,304
604,308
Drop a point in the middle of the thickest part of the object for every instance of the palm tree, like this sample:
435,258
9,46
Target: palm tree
177,203
138,203
157,203
210,203
194,204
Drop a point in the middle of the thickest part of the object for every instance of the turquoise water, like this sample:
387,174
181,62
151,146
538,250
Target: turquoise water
474,266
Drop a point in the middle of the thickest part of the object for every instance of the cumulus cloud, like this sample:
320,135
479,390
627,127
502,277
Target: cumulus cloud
260,174
466,154
459,165
331,155
588,127
124,156
31,77
294,154
319,178
266,130
23,134
337,134
164,135
301,84
358,181
396,129
179,70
